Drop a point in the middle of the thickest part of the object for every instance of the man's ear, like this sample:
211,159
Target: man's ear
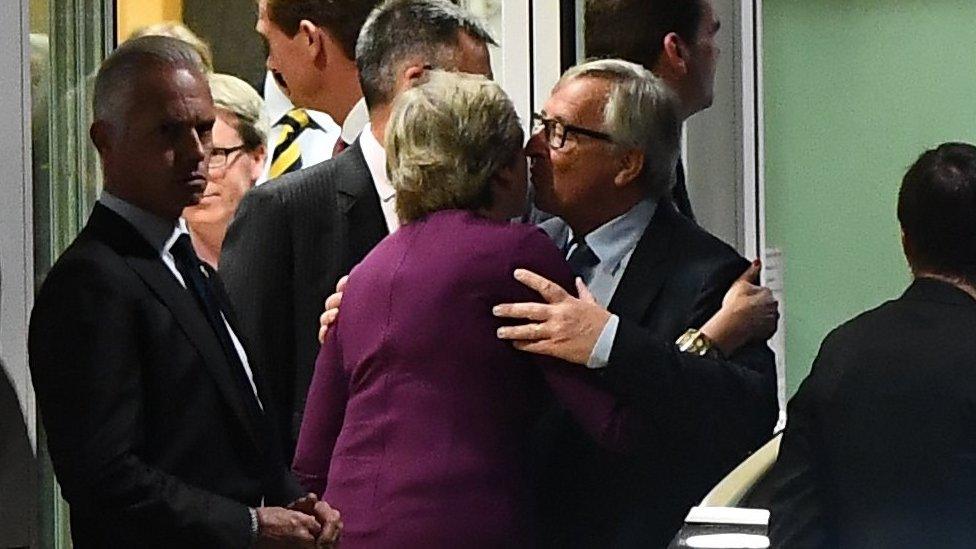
314,39
674,57
631,166
412,74
259,155
100,133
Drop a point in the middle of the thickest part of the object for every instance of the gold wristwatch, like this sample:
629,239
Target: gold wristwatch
696,343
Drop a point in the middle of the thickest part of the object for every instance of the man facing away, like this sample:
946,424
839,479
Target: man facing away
312,63
293,238
675,39
879,447
158,428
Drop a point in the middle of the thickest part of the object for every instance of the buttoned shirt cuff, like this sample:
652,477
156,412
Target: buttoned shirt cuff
600,355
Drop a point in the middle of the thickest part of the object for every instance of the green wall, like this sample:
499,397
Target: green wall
854,91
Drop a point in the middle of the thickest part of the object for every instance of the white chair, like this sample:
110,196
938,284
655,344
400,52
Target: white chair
737,484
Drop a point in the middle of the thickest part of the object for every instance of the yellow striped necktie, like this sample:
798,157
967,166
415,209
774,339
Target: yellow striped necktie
287,157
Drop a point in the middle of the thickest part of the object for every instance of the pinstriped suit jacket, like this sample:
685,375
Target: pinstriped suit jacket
290,242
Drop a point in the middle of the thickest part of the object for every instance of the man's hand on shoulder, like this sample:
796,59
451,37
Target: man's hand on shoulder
563,327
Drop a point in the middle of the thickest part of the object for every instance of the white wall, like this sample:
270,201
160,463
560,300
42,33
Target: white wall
16,266
714,144
16,254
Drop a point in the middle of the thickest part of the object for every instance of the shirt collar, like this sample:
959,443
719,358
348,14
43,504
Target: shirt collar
375,156
614,239
158,232
356,122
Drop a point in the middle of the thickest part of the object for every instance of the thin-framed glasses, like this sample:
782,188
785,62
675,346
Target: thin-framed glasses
219,157
556,131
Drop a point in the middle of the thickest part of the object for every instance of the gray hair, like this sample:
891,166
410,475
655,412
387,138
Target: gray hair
445,141
640,113
400,29
132,59
237,97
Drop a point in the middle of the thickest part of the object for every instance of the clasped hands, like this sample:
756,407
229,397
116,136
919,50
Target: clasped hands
306,522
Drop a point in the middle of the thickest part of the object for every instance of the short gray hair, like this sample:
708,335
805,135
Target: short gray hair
641,113
433,166
132,59
399,29
237,97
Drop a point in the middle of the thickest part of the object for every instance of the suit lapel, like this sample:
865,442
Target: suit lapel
648,267
145,261
362,224
225,304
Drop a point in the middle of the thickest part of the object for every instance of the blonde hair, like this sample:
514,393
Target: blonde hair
237,97
445,141
640,113
175,29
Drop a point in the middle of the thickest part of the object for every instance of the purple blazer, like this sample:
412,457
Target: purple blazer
418,416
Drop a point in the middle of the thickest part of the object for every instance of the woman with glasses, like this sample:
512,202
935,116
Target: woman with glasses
235,163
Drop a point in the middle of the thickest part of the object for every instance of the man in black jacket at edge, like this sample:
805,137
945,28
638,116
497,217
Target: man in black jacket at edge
879,447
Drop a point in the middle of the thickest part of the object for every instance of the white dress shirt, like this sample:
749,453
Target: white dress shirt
161,235
375,156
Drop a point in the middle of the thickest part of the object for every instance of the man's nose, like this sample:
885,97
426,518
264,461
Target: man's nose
536,145
196,146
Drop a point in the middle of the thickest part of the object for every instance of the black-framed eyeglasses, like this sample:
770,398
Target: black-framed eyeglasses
219,156
556,131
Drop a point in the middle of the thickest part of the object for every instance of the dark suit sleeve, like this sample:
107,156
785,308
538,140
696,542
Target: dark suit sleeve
256,266
85,361
729,406
799,513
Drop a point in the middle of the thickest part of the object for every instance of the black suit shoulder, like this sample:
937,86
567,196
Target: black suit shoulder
301,190
705,255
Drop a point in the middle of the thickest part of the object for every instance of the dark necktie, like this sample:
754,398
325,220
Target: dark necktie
582,260
198,282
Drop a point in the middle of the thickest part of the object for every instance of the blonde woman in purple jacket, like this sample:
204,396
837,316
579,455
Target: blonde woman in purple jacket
418,417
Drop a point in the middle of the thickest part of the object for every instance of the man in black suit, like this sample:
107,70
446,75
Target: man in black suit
675,39
158,430
879,449
602,158
293,238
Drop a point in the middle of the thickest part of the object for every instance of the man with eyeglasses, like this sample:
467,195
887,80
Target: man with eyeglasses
234,166
602,158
